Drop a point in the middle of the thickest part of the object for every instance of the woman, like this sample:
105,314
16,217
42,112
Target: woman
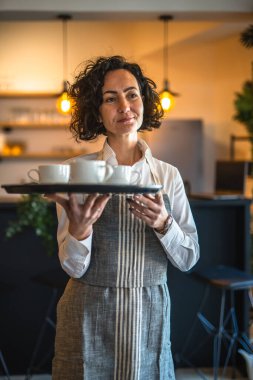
113,320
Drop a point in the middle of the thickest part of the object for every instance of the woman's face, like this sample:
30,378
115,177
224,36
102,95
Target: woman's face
121,110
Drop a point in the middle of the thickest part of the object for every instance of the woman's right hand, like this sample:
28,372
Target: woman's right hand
81,216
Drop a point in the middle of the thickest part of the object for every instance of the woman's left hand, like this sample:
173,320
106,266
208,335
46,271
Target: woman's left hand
151,209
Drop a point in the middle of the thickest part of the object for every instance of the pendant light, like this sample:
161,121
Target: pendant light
166,95
64,101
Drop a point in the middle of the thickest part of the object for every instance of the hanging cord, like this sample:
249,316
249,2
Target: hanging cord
64,19
165,52
64,47
166,19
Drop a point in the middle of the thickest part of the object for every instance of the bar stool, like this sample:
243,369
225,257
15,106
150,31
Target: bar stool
56,279
5,368
228,280
5,287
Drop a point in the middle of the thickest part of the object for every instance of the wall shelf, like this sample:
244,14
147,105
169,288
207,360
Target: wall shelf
42,156
31,112
27,95
15,125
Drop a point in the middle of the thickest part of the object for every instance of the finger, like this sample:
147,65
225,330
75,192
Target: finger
94,205
98,213
58,199
159,198
147,212
143,202
101,202
73,201
150,215
149,196
90,200
155,200
140,215
148,218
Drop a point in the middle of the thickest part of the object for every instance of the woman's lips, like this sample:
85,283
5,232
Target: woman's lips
126,120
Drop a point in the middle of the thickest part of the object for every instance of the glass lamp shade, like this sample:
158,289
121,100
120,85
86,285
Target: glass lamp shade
167,100
64,103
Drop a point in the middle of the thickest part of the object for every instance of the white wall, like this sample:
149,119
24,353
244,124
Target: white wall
204,68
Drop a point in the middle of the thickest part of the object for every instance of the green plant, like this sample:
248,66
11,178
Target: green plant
244,106
34,211
246,37
244,99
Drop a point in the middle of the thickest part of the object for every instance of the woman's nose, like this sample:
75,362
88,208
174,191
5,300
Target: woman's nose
123,105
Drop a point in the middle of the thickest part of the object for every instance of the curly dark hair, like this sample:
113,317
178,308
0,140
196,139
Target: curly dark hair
86,93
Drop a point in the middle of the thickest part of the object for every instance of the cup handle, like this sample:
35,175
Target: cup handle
138,176
108,172
31,177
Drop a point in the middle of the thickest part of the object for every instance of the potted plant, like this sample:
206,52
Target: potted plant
244,99
244,107
34,211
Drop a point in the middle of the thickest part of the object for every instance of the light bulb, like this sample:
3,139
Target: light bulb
167,100
64,103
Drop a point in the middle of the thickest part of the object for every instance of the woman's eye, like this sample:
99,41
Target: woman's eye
132,95
109,100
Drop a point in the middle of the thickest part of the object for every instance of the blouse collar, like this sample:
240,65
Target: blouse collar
108,154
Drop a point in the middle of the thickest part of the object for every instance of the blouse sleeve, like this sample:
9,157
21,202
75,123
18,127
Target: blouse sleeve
74,255
181,240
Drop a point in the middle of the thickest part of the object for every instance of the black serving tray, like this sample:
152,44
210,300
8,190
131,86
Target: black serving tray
30,188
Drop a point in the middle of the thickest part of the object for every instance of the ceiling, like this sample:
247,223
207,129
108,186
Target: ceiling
228,16
182,10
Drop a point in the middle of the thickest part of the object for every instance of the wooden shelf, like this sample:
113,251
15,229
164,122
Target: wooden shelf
8,95
34,126
42,156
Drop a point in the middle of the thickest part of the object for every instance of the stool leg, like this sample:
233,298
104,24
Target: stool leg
235,333
231,350
180,356
218,337
191,331
231,335
41,334
6,371
245,342
243,338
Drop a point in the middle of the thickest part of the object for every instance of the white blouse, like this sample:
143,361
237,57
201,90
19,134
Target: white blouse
180,243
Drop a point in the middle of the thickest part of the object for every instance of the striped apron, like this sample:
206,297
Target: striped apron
114,322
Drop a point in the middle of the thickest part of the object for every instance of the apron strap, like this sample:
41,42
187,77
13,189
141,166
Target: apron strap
151,164
100,155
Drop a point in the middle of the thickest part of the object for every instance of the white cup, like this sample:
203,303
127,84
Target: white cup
124,175
90,171
56,173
